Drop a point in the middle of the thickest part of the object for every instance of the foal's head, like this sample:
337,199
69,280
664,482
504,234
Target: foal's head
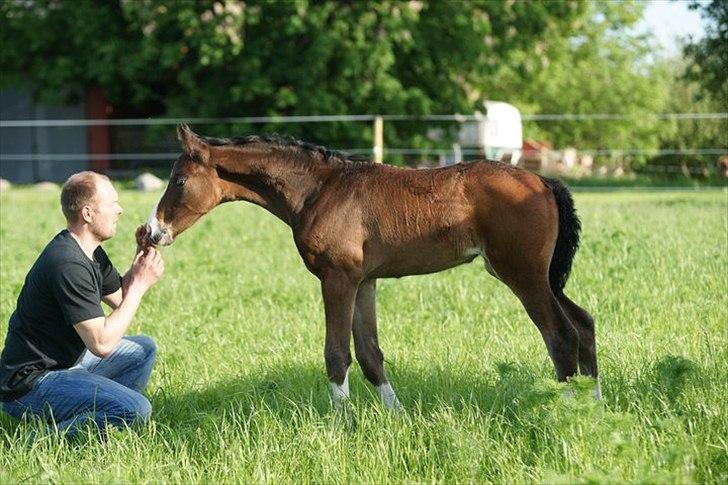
193,190
213,170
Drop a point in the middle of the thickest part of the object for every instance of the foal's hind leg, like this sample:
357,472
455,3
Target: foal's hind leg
584,324
533,289
366,343
560,336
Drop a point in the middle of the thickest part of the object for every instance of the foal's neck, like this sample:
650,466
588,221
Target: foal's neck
279,182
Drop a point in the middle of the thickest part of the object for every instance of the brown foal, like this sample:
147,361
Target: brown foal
354,222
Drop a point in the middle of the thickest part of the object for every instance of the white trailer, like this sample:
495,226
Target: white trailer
497,133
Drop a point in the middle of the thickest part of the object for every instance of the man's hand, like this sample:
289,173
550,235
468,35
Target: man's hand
142,239
146,269
143,244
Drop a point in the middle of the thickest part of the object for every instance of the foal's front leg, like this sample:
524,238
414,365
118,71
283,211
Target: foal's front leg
339,294
366,343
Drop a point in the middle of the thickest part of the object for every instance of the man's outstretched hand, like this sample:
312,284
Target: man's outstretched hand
142,251
142,239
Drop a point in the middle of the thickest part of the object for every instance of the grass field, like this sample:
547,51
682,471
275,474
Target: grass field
240,393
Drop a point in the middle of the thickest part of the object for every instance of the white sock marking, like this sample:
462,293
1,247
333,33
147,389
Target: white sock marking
340,393
598,391
389,398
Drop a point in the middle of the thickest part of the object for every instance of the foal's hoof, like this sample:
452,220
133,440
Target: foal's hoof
582,386
344,417
598,391
395,408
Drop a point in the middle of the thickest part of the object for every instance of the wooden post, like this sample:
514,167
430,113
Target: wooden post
99,137
378,139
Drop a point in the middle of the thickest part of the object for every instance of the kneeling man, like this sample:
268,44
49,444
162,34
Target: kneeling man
64,360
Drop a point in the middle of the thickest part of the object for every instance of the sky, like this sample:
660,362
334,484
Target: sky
669,19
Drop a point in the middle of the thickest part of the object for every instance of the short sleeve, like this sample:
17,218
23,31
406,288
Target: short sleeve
77,294
110,279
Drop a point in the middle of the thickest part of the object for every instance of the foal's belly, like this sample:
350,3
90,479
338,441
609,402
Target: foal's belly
416,263
433,247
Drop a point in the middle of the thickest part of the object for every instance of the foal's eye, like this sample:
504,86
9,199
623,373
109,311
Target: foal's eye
180,181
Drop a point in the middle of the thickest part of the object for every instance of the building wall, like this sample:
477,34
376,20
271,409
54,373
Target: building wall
43,141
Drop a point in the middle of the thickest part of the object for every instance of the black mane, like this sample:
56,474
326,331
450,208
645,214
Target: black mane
282,141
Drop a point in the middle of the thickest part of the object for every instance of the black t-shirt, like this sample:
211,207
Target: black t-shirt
63,287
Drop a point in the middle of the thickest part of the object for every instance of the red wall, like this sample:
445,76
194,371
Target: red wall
99,139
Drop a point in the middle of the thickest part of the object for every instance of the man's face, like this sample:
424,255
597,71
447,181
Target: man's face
106,211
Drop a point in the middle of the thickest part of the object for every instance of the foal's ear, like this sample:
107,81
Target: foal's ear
192,144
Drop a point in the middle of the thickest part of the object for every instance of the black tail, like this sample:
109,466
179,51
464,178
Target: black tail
568,240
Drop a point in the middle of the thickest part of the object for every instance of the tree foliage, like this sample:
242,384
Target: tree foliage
709,55
227,58
690,96
601,67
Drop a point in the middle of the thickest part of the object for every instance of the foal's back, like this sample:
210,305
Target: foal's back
423,199
405,221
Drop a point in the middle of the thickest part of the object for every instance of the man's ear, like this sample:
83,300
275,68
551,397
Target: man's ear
192,144
86,214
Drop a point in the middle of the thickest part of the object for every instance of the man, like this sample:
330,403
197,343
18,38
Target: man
63,360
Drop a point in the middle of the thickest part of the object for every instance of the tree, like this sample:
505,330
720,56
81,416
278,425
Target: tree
709,55
689,96
205,58
601,66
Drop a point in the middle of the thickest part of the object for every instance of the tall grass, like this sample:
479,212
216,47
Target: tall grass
240,393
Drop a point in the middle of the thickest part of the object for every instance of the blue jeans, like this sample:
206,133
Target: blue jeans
106,391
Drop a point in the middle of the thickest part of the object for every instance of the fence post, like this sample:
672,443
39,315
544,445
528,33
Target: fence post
98,137
378,139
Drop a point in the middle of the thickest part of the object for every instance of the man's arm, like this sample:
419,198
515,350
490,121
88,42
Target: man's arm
114,299
101,334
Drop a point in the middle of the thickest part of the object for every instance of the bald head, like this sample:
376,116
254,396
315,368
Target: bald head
79,190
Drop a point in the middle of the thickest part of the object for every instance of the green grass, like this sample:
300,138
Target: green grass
240,393
643,181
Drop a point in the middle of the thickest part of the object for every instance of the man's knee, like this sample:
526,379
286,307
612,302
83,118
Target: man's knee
146,342
144,410
135,408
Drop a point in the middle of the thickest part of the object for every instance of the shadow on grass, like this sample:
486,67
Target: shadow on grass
510,391
286,391
295,399
661,385
289,387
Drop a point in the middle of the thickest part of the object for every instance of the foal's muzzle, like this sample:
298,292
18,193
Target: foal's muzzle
158,234
156,238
